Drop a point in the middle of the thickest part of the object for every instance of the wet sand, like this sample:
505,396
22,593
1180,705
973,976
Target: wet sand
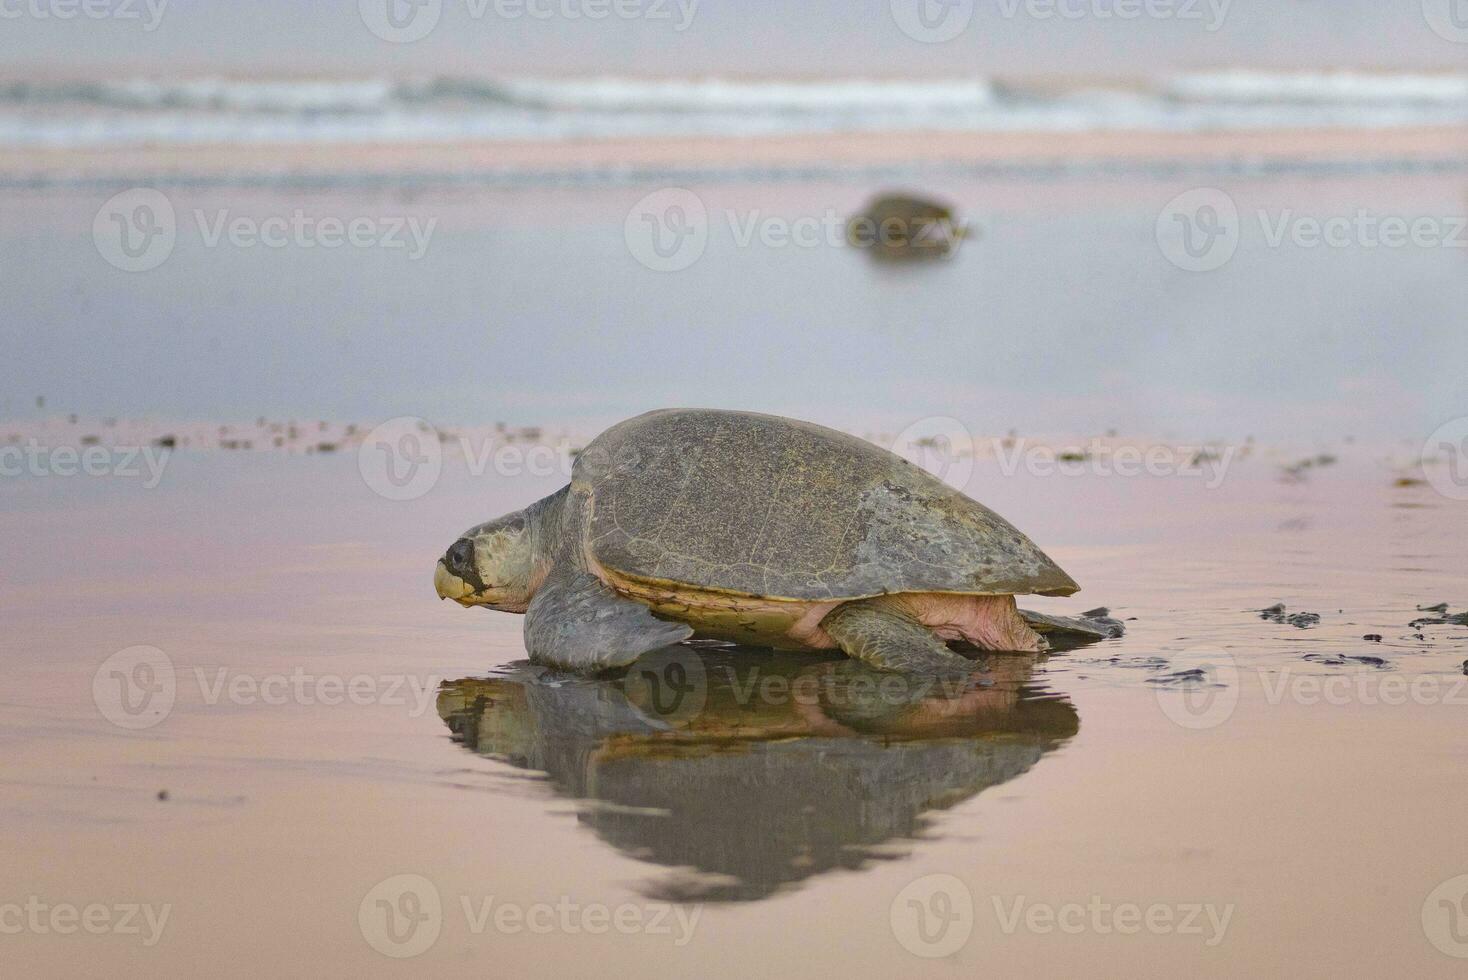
1320,828
611,158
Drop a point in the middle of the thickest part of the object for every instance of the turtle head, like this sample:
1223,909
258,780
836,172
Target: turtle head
490,565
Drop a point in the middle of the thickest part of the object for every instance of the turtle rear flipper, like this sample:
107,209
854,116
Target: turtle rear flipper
883,635
1068,631
576,622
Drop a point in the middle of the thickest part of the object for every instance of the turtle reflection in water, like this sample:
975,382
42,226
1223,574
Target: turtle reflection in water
750,771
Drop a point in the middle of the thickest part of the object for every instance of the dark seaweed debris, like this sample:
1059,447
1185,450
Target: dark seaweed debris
1342,659
1192,676
1276,614
1457,619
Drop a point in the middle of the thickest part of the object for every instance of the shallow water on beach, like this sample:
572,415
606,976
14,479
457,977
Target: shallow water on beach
330,727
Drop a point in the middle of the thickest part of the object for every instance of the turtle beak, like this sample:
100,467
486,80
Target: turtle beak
450,586
455,576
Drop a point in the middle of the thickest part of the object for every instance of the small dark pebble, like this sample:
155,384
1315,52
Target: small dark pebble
1441,607
1098,611
1465,666
163,795
1373,637
1275,610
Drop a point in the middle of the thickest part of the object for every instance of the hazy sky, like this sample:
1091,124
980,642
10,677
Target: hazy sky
786,37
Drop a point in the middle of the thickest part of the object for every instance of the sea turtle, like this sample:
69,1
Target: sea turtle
761,530
899,226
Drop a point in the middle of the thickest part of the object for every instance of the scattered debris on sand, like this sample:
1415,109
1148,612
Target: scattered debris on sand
1456,619
1343,659
1295,472
1302,620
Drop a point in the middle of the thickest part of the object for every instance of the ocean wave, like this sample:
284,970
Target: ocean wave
1338,88
606,94
132,112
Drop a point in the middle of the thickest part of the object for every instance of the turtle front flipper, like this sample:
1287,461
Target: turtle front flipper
883,635
576,622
